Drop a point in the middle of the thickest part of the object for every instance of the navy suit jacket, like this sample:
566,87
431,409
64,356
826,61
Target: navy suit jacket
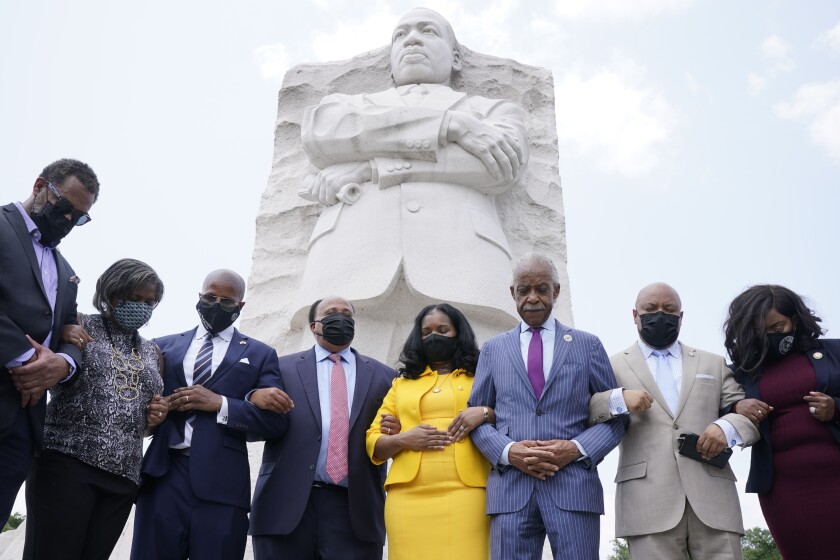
219,470
25,309
580,369
288,463
826,362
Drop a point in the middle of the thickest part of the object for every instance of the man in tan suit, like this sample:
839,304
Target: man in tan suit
666,504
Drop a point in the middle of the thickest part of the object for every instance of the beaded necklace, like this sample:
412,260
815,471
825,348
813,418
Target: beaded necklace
125,371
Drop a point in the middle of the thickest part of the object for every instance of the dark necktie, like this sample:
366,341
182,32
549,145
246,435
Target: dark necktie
535,361
203,366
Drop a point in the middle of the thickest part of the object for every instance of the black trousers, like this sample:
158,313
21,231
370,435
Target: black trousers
75,511
15,459
323,533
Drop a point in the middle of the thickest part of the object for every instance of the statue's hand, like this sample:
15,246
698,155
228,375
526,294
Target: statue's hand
328,181
498,150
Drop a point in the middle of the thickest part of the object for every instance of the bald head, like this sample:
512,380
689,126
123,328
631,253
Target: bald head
226,277
658,314
658,291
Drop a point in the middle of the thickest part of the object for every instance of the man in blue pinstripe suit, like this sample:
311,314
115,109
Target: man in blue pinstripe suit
539,378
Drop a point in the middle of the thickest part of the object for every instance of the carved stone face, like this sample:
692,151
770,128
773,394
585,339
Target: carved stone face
422,49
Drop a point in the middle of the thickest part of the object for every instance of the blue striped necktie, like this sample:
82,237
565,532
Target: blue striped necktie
203,366
204,361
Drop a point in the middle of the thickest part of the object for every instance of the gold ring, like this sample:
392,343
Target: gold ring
187,398
159,414
389,431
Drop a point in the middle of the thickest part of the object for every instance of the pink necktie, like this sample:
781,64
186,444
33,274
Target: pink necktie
339,423
535,361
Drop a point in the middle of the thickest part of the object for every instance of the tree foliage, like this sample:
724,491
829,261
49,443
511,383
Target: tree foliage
620,550
14,521
758,544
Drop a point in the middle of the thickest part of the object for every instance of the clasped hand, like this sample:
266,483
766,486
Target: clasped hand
194,397
542,459
43,370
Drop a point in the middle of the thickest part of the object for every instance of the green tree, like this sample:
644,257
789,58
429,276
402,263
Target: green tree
758,544
14,521
620,550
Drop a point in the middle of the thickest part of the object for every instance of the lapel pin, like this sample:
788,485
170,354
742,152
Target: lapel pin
75,279
691,353
460,388
818,355
242,342
567,337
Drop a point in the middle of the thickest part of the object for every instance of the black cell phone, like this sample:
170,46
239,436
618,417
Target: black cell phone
688,448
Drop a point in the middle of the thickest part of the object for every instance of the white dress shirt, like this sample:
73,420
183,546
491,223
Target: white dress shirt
221,342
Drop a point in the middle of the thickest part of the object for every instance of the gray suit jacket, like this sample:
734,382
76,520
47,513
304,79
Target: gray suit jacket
580,369
653,479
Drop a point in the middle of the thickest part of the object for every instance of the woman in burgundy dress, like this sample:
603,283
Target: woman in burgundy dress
774,342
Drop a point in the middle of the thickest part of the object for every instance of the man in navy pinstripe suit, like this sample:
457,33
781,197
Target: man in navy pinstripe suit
539,378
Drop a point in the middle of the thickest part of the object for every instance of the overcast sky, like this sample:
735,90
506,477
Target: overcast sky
699,140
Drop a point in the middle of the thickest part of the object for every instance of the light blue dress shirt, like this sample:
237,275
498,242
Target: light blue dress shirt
323,367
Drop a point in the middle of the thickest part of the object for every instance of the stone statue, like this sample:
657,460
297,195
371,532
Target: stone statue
409,181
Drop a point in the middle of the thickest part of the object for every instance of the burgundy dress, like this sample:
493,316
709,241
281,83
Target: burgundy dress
802,508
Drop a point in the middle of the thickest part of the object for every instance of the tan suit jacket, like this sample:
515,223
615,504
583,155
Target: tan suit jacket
653,479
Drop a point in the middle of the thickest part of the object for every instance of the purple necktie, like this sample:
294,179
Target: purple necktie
535,361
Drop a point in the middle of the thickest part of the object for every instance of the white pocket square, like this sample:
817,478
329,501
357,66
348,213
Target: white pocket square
704,376
244,361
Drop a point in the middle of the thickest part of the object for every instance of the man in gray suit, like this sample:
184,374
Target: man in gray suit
539,378
672,389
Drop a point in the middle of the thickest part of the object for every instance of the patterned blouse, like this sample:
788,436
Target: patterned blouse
99,418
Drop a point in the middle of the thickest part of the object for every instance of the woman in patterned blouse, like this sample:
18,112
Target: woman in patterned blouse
84,482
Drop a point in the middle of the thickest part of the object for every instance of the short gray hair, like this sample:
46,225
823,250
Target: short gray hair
531,259
121,279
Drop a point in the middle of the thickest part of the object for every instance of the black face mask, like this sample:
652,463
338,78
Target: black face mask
52,225
214,318
779,344
338,329
660,329
439,348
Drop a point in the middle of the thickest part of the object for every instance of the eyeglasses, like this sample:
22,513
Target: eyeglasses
226,303
64,206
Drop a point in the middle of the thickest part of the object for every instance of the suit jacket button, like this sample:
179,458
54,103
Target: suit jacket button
319,438
311,467
413,206
47,314
676,426
425,143
539,412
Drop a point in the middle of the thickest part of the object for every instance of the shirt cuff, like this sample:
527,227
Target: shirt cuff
503,460
20,360
71,363
222,416
618,405
583,452
733,438
248,397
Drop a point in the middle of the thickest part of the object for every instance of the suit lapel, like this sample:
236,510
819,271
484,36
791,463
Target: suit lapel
238,345
561,350
364,375
176,358
690,364
512,347
63,280
308,375
637,364
19,226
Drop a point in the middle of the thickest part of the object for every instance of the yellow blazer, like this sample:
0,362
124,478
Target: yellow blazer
403,401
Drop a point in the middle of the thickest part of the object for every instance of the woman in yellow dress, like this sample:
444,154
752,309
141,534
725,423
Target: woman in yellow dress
434,507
